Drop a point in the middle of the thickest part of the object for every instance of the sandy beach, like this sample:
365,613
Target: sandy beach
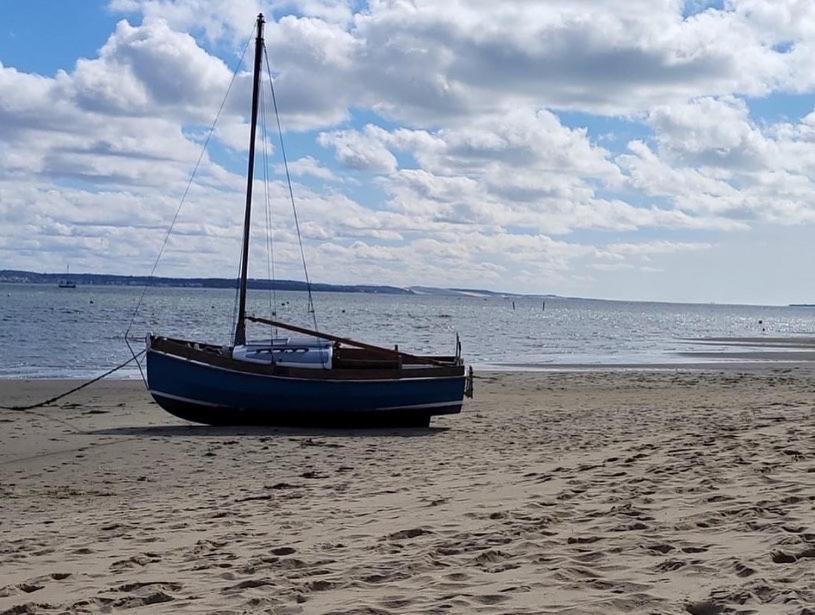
621,491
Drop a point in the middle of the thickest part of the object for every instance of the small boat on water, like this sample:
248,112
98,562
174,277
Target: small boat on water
307,378
67,282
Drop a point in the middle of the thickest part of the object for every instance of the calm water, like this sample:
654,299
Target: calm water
50,332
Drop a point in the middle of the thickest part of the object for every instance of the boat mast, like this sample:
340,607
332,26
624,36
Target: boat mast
240,330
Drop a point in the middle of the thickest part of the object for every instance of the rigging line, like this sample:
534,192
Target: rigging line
291,192
138,363
184,195
234,324
270,264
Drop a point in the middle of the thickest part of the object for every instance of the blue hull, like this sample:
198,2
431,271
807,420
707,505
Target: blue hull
216,395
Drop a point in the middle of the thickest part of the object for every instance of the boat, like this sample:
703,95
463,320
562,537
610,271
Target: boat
67,282
305,377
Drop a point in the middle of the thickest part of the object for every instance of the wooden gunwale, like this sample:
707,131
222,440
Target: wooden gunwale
212,355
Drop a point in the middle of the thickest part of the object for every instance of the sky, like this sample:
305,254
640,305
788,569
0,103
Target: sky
643,150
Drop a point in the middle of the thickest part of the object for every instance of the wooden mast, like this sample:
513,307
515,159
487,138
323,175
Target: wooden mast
240,330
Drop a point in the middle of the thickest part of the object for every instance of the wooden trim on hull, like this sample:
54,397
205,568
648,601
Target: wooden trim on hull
211,355
325,375
208,414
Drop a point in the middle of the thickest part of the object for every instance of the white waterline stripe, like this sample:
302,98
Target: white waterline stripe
443,404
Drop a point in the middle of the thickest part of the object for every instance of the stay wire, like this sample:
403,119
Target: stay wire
270,262
291,192
231,333
183,198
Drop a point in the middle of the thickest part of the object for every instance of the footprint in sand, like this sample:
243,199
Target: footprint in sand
283,550
248,584
20,588
704,607
405,534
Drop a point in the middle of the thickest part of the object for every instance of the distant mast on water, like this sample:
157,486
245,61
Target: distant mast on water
67,283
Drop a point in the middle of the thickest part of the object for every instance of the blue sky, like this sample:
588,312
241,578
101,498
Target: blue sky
42,36
554,148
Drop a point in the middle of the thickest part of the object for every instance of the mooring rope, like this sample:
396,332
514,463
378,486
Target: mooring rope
51,400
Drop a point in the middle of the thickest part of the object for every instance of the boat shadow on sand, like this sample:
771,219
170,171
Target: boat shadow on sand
188,431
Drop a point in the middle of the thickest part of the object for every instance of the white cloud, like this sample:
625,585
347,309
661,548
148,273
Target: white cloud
712,159
521,169
310,166
645,249
427,61
472,178
363,151
216,18
141,69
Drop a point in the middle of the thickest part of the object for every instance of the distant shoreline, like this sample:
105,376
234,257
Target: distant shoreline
100,279
11,276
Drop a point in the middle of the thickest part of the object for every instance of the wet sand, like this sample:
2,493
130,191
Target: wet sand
754,349
762,341
553,492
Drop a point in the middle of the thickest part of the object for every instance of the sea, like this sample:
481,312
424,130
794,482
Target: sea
50,332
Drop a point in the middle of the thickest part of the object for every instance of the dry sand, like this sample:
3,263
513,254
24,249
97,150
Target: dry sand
580,492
